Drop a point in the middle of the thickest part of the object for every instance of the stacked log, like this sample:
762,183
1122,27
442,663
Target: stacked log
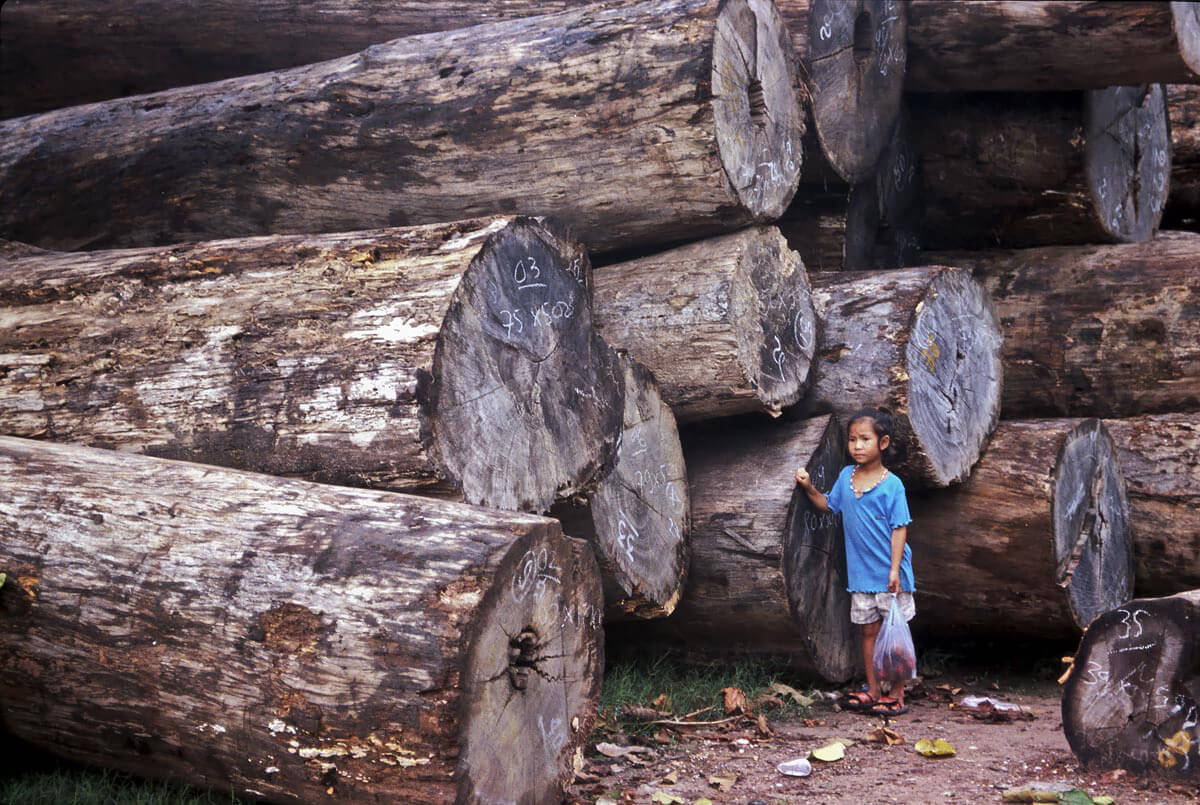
725,324
637,519
747,527
922,342
438,128
1183,204
456,359
1037,541
281,639
1132,696
1096,330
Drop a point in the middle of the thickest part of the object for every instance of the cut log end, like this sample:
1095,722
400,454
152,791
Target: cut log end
1128,159
857,55
759,120
528,398
772,308
533,675
1185,18
640,510
954,374
814,567
1132,697
1093,543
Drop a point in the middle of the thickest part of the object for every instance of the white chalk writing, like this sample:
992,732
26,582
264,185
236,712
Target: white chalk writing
536,574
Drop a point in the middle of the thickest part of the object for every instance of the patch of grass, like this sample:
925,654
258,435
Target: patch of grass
102,787
639,680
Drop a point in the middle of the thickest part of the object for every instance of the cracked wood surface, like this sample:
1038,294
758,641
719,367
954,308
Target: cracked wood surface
277,638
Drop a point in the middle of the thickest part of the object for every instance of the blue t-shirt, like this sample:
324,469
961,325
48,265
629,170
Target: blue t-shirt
867,524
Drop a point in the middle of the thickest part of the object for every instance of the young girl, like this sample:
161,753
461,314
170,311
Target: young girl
878,561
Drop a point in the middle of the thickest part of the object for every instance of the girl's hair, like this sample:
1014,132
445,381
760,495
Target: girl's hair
883,424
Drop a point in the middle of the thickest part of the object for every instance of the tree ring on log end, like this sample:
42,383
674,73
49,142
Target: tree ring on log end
640,509
1127,158
814,566
758,117
954,373
856,60
772,309
542,617
1185,18
1132,697
526,400
1093,543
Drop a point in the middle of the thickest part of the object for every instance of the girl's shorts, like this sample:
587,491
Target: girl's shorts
871,607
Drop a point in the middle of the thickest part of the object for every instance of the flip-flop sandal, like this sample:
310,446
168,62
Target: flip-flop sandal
887,706
857,700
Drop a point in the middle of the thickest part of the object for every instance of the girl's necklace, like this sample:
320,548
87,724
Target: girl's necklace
858,493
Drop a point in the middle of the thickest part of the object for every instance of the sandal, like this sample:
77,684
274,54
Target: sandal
857,700
887,706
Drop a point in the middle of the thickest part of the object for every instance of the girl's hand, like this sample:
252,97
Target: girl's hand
802,478
894,581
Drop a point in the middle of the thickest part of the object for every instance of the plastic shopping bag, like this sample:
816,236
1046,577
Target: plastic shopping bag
895,659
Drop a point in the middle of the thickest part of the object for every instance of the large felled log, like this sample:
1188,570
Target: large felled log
1013,170
653,122
923,342
1095,330
725,324
637,519
853,52
746,531
1160,459
1049,45
1132,698
457,359
874,224
69,52
288,640
1183,204
1035,543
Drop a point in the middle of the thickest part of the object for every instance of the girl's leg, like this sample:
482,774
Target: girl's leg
870,631
897,691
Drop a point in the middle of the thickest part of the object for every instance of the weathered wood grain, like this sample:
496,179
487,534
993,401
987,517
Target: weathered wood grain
653,122
456,358
1035,543
1008,170
1096,330
1049,45
637,519
1132,698
284,640
736,602
1160,459
725,324
923,342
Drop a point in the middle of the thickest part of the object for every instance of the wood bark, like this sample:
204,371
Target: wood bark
1049,45
726,324
874,224
637,519
56,53
1095,330
744,535
922,342
1132,698
654,122
853,52
1007,170
456,359
1036,542
1160,459
1183,203
287,640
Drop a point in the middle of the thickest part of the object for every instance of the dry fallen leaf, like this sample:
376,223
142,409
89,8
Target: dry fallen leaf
934,748
662,703
612,750
763,727
735,701
670,779
792,693
830,752
886,735
722,784
663,798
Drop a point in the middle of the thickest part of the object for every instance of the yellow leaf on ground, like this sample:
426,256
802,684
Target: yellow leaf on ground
703,801
934,748
830,752
663,798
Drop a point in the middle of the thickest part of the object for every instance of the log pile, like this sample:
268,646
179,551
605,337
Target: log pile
361,254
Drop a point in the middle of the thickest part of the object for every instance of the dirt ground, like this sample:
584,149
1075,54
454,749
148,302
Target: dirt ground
991,756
